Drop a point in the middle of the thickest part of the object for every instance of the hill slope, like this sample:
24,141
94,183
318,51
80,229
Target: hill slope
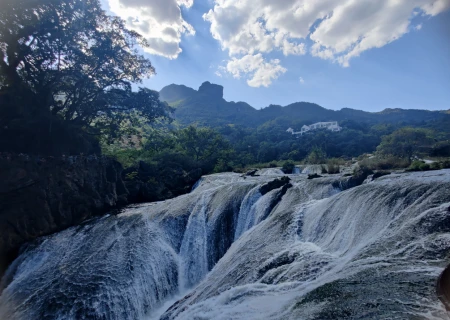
207,107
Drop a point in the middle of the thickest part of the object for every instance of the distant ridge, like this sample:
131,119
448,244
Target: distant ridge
207,107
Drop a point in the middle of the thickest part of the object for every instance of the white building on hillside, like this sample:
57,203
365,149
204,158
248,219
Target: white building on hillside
332,126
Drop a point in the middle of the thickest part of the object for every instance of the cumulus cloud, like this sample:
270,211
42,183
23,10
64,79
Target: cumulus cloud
338,29
256,69
302,81
159,21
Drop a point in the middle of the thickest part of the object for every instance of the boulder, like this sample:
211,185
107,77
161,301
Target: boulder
250,173
275,184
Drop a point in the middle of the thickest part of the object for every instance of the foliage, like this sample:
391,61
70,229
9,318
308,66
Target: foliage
418,166
436,166
385,163
288,167
202,144
406,143
441,149
67,61
360,173
189,148
445,164
316,156
422,166
333,165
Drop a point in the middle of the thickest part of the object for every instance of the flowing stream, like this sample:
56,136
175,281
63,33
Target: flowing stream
228,250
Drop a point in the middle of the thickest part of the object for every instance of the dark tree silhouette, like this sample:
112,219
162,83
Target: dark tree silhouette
68,60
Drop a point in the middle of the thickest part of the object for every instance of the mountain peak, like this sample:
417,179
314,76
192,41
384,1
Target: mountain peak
212,90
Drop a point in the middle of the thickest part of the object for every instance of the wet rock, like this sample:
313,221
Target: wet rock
250,173
43,195
380,174
275,184
314,176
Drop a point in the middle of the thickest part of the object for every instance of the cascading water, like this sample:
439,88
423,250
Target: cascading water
245,214
270,172
230,251
297,170
314,168
193,247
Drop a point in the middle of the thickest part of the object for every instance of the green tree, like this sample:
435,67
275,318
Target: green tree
69,61
202,144
406,143
316,156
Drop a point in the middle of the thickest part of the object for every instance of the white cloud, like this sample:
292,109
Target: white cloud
254,67
302,81
339,29
418,27
290,48
159,21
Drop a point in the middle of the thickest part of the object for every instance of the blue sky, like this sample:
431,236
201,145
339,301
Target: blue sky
392,54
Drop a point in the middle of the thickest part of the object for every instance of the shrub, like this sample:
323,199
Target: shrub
418,166
273,165
288,167
387,163
435,166
379,174
445,164
333,165
360,173
441,149
316,156
222,166
415,166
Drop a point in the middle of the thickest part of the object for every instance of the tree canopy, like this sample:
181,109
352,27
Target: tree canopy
70,61
406,143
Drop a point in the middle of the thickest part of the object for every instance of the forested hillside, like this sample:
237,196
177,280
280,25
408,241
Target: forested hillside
206,107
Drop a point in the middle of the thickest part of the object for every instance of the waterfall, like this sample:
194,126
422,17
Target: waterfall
313,168
270,172
246,212
225,251
193,247
115,268
338,257
297,170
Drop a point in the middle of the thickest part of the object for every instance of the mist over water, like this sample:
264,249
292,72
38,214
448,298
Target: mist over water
226,251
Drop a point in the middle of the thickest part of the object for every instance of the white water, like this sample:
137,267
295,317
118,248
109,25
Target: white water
313,168
297,170
373,252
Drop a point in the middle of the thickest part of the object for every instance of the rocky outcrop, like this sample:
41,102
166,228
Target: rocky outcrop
314,176
250,173
40,196
275,184
211,90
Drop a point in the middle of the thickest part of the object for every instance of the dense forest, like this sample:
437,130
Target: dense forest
247,137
